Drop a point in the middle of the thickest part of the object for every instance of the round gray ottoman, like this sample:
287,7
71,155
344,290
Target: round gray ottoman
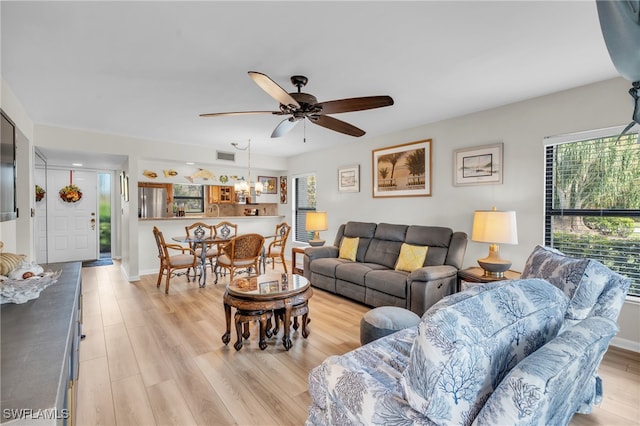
379,322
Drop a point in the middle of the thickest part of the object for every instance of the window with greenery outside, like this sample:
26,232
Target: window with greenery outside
191,197
592,202
305,201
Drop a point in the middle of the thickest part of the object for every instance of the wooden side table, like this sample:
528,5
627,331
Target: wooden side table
476,275
294,268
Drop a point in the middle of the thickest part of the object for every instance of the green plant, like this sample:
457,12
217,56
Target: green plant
617,226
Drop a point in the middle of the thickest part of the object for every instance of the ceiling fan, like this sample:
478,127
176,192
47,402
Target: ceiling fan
299,105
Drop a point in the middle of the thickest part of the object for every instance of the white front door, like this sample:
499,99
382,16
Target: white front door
72,227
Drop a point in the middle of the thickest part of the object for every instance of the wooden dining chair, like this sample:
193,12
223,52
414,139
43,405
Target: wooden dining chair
225,231
242,252
169,263
277,246
206,231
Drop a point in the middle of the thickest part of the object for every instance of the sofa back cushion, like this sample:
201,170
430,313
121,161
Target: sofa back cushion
437,238
385,245
582,280
466,346
363,230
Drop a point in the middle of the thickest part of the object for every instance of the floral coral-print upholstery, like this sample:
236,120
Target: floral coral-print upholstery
364,386
582,280
463,350
541,390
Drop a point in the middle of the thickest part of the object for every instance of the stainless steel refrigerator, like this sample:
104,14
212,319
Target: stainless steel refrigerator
152,202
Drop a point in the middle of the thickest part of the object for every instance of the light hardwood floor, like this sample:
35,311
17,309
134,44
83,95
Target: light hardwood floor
156,359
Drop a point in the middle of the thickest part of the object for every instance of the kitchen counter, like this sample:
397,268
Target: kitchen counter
214,218
40,349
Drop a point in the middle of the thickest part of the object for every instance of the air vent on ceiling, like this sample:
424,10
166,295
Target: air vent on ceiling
227,156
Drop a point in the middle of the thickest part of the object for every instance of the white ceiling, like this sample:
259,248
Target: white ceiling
147,69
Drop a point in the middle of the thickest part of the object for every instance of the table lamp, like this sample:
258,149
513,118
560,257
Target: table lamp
316,222
494,227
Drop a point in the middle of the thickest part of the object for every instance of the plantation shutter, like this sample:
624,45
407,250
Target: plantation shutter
592,199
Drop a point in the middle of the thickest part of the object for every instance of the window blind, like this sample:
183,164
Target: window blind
592,200
305,199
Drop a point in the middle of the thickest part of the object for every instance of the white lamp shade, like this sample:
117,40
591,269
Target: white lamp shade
492,226
316,221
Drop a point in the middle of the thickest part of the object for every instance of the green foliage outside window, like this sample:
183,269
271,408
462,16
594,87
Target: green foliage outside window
593,202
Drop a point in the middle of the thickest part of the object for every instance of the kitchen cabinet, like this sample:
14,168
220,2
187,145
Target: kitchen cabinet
220,194
227,194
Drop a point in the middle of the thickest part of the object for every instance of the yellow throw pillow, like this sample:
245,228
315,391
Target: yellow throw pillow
349,248
411,257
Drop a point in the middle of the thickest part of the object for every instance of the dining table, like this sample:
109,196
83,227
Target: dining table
199,238
205,242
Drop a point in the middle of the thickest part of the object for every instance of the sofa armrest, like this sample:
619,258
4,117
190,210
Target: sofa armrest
320,252
428,285
554,382
432,273
313,253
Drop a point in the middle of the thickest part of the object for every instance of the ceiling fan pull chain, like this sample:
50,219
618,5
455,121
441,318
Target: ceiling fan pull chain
304,137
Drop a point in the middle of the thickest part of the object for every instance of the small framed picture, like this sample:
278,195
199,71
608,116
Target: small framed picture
269,184
283,190
478,165
349,178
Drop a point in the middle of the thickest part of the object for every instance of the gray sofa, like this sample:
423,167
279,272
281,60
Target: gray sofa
372,280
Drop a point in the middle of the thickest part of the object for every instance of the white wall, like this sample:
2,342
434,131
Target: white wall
521,127
9,230
141,153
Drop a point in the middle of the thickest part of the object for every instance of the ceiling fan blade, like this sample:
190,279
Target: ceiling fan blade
284,127
336,125
218,114
354,104
273,89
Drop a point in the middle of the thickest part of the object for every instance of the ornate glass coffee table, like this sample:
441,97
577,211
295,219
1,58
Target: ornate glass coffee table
266,297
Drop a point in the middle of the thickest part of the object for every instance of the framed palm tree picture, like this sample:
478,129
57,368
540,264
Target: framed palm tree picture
402,170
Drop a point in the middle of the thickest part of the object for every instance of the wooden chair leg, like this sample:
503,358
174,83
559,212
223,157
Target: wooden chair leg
166,288
159,277
284,264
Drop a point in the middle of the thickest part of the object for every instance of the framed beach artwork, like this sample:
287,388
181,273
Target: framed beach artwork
478,165
349,179
402,170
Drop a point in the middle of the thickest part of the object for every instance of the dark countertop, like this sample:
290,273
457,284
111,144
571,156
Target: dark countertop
35,340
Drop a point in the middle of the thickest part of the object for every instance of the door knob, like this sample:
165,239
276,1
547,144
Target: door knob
93,224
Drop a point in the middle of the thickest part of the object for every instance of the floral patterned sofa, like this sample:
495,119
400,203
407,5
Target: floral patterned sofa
510,352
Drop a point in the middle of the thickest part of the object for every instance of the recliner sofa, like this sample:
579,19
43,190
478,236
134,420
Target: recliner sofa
521,352
372,278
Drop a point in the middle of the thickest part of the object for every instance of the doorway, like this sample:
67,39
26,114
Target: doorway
104,218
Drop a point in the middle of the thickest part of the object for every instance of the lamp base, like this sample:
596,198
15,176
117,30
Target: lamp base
494,266
316,243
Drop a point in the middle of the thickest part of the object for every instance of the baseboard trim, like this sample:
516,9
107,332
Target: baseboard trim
629,345
130,278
